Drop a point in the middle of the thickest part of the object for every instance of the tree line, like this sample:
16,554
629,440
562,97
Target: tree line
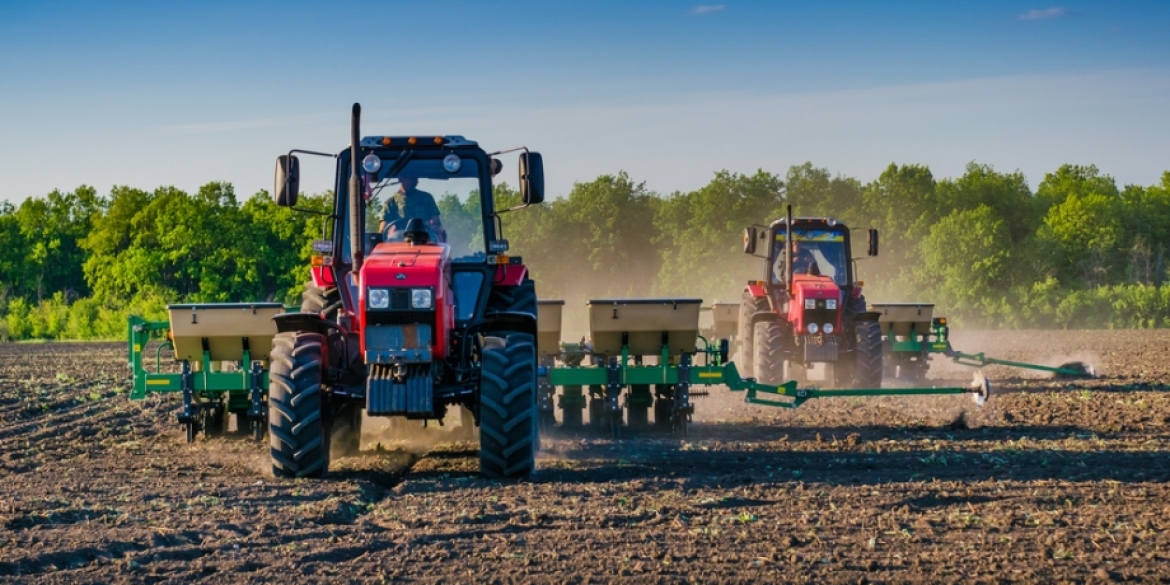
1079,251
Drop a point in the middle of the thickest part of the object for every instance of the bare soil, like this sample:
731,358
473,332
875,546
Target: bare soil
1052,481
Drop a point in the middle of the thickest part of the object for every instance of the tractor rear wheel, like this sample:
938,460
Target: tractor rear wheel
323,301
769,352
514,299
750,305
507,408
298,436
867,365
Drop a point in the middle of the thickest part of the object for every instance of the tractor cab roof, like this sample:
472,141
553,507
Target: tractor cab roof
417,141
813,222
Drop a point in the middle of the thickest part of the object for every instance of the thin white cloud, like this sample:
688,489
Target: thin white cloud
1043,14
707,8
214,127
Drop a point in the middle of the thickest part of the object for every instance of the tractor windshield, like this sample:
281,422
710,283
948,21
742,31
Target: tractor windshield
447,202
813,251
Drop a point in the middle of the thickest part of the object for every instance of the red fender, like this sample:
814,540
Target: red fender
321,276
510,274
756,290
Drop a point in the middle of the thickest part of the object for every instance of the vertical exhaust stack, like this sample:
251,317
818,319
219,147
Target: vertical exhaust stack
357,212
788,250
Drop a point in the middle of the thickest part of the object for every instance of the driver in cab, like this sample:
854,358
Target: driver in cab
407,203
803,262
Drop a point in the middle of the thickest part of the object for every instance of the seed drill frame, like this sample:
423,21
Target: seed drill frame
912,332
222,350
625,332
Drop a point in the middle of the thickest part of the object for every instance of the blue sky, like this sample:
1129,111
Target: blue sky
182,93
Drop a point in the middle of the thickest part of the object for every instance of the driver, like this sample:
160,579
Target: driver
409,202
803,262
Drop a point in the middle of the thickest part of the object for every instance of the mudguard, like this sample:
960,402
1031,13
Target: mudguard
506,321
756,290
321,276
310,322
510,274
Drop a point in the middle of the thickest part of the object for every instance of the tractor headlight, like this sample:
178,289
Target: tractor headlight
812,328
828,328
830,304
421,298
378,298
371,164
452,164
810,303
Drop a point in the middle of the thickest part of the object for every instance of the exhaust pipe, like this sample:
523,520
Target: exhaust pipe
357,212
788,251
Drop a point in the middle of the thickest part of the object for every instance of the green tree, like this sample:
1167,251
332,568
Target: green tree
1007,194
700,241
1073,180
965,257
814,192
1083,232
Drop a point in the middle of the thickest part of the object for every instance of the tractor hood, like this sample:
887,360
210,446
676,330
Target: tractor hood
815,287
400,264
403,333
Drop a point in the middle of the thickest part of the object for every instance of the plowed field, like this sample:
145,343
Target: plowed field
1052,481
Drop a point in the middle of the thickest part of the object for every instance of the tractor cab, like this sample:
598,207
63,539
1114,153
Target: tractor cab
821,278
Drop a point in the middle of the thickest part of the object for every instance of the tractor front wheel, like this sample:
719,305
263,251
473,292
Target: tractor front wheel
507,408
769,352
867,365
298,436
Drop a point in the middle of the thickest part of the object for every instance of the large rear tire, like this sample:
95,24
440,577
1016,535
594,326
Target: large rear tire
298,435
748,306
769,355
515,299
507,408
324,301
867,365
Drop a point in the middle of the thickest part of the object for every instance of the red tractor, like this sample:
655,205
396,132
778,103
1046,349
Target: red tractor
808,309
408,313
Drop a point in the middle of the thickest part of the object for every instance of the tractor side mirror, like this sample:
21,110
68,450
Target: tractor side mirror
288,180
872,249
531,178
749,239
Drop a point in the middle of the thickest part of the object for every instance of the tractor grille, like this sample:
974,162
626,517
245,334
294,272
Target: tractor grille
400,299
406,317
820,348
